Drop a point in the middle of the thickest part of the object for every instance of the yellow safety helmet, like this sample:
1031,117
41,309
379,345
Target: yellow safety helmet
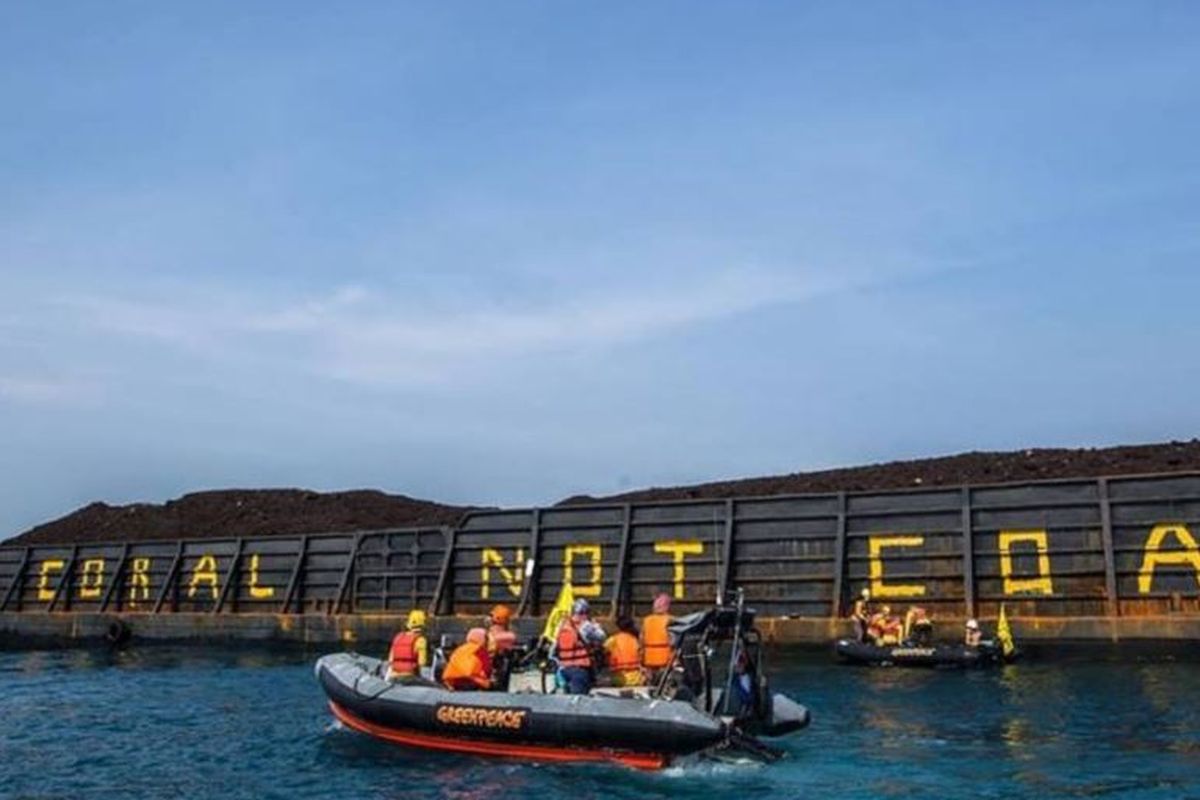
416,619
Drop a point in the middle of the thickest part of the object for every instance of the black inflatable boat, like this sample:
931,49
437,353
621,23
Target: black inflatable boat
909,655
646,727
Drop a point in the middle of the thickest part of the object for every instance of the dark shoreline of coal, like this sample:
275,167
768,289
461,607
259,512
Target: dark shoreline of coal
257,512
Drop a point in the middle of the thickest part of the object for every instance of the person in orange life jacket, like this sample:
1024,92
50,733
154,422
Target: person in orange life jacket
409,651
500,639
624,655
657,652
469,666
885,629
577,636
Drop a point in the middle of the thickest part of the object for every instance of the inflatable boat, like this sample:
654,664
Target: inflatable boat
643,727
910,655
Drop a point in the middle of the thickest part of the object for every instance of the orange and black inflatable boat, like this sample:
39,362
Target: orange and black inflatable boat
646,728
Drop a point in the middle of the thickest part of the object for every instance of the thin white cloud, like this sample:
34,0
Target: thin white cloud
366,336
44,391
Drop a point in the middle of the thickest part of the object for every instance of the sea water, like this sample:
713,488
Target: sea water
199,722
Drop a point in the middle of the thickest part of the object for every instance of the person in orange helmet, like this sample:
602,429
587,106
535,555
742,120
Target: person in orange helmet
469,667
500,638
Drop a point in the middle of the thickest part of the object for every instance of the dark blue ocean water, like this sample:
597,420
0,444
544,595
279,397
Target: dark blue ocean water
225,723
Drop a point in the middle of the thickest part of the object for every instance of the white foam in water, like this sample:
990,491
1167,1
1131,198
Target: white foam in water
694,766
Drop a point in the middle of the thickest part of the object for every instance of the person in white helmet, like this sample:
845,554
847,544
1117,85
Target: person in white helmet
578,638
973,636
861,615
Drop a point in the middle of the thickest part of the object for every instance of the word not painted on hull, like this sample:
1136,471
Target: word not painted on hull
582,567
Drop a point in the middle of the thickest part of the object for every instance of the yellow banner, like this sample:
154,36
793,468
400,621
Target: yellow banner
558,614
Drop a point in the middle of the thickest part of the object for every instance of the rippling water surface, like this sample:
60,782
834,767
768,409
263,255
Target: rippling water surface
233,723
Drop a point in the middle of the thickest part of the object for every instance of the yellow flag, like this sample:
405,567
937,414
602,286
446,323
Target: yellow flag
561,610
1004,633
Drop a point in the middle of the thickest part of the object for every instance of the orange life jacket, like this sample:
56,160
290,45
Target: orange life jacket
656,642
500,639
404,656
468,668
623,652
570,648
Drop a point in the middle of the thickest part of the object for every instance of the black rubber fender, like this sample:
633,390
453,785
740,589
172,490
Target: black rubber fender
118,632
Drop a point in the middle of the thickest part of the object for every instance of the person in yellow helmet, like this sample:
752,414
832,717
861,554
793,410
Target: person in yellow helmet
410,650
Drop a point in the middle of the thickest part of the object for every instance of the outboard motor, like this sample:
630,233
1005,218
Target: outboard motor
437,662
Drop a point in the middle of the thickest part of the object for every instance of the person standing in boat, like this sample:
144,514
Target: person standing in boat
861,614
657,652
469,667
578,637
624,655
410,650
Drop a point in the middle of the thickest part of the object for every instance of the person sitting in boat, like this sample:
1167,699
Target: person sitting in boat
577,637
500,638
501,644
469,667
972,635
410,650
861,614
624,655
918,628
885,630
657,652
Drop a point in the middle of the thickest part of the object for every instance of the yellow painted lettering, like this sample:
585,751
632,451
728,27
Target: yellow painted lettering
1043,583
494,559
1154,556
49,567
256,591
679,548
139,580
591,552
205,572
879,589
92,579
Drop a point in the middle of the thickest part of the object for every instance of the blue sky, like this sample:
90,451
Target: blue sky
507,252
